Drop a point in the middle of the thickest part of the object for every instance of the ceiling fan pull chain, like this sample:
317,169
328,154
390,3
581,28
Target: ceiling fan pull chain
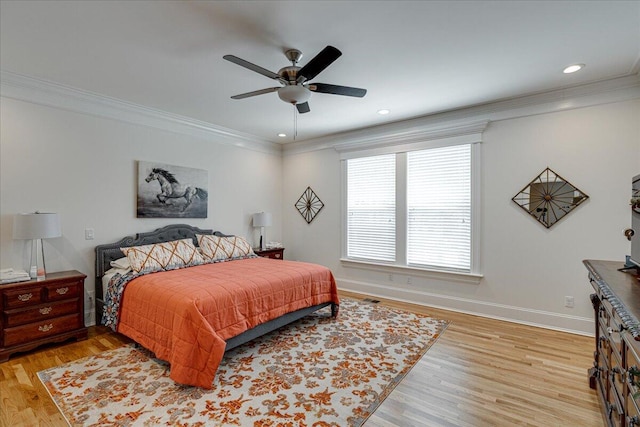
295,122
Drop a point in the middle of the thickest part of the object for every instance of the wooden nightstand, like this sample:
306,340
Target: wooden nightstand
275,253
35,313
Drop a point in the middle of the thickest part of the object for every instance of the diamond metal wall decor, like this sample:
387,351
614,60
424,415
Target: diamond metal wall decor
309,204
549,198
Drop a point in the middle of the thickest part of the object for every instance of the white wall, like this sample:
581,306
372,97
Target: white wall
84,168
528,269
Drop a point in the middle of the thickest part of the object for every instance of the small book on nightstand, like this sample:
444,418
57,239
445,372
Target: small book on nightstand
9,275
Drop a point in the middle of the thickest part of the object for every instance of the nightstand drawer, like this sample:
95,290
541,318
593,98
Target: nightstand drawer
41,312
42,329
22,297
63,291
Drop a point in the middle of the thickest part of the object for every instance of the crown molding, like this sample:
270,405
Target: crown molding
458,133
42,92
587,95
50,94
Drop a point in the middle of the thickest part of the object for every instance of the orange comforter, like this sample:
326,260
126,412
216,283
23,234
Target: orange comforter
184,316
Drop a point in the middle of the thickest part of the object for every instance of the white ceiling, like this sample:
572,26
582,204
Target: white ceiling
414,58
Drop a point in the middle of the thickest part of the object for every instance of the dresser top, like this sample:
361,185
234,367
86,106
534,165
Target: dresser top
619,287
51,279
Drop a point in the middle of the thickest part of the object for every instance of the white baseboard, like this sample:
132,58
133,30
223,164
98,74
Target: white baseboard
90,317
543,319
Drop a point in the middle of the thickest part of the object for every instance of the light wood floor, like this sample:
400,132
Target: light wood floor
481,372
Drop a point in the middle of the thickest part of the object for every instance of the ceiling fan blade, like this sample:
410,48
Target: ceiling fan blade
337,90
303,108
318,63
255,92
253,67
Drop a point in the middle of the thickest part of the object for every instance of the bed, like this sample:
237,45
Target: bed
190,316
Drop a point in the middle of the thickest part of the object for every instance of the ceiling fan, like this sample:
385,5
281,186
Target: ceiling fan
296,86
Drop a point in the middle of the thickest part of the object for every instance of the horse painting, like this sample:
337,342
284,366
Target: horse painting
170,188
169,191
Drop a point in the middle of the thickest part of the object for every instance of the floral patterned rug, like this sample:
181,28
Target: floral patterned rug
316,372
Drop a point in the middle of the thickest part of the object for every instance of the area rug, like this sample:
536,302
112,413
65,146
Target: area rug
317,371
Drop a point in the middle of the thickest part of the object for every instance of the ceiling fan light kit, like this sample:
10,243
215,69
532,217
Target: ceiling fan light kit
296,82
297,94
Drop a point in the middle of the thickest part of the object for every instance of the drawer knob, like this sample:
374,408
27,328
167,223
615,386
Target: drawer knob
611,331
45,328
62,291
45,310
25,297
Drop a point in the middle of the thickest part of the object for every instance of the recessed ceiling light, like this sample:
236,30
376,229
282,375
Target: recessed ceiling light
383,112
573,68
282,135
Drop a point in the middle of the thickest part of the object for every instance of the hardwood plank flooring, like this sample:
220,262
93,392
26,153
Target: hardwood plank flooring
480,372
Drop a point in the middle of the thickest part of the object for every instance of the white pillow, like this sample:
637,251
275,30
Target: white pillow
121,263
217,248
163,256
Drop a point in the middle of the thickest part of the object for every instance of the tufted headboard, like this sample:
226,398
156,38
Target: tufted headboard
111,251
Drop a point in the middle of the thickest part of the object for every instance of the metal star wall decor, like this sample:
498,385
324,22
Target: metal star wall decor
309,204
549,197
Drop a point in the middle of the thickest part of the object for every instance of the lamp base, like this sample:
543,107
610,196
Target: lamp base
37,270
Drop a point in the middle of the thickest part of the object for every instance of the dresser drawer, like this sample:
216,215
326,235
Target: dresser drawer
603,314
615,407
610,321
40,312
633,414
617,378
22,297
42,329
61,291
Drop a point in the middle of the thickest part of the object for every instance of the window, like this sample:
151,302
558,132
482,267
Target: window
371,212
411,208
439,208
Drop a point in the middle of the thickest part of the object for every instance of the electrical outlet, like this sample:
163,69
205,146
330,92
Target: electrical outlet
391,277
408,280
568,301
92,296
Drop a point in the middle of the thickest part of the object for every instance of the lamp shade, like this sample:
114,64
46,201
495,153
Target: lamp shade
262,219
36,226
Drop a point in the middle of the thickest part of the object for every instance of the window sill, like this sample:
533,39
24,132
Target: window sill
469,278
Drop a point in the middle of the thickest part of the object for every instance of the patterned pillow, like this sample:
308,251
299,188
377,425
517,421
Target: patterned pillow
163,256
218,248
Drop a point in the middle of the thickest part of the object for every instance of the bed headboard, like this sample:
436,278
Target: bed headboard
111,251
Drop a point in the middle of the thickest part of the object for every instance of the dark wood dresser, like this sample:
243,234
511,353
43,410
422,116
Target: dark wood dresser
35,313
616,367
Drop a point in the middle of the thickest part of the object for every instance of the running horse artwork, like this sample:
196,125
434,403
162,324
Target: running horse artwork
174,199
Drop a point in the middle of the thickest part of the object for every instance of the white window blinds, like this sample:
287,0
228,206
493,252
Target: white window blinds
412,208
439,208
371,214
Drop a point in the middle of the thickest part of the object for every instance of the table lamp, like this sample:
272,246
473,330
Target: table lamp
262,220
35,227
